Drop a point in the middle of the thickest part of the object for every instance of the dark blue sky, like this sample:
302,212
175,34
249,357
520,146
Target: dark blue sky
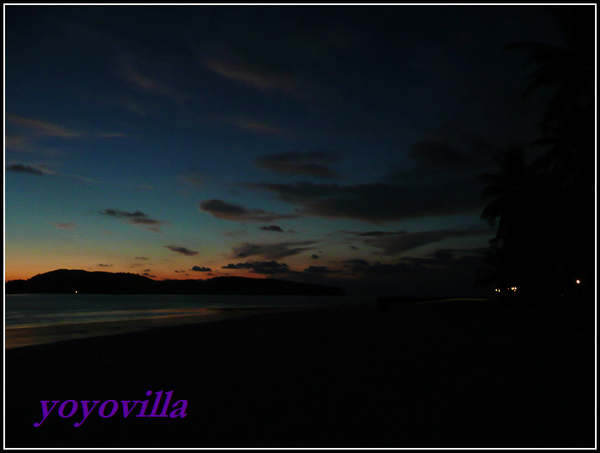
336,144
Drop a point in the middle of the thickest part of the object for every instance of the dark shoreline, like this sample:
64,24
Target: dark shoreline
460,374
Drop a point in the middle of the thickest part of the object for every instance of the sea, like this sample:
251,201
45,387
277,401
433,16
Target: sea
31,319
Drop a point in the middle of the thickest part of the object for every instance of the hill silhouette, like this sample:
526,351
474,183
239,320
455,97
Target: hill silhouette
84,282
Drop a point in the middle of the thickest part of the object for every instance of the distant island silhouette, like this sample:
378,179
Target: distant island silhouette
83,282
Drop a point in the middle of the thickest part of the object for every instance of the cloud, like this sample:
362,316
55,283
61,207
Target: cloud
43,128
141,258
129,71
193,179
435,160
314,257
356,265
379,202
313,163
273,251
248,72
201,269
319,270
258,127
274,228
440,179
45,169
20,168
401,242
260,267
181,250
66,226
105,265
228,211
375,233
136,218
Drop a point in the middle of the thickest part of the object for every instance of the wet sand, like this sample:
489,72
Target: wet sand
17,337
456,374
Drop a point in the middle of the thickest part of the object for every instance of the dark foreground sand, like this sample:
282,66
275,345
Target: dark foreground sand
456,374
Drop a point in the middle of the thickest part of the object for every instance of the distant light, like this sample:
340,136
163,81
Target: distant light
497,290
578,281
75,292
513,288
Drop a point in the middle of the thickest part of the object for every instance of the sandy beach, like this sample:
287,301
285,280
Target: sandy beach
454,374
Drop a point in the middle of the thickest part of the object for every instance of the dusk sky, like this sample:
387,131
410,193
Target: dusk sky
327,144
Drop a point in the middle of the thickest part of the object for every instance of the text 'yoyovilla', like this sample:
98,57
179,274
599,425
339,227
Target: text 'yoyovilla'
108,408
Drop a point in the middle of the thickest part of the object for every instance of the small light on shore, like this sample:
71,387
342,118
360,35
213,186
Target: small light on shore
497,290
513,288
578,281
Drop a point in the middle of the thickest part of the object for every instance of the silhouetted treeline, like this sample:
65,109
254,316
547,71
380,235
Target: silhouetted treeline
543,195
83,282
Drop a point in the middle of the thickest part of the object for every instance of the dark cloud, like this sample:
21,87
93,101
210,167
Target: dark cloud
273,251
228,211
319,270
140,258
379,202
315,257
438,260
136,218
272,228
181,250
313,163
66,226
400,242
104,265
356,265
261,267
201,269
374,233
20,168
439,179
193,179
360,266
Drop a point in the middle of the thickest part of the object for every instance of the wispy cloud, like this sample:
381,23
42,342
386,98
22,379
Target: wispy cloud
312,163
43,128
182,250
130,71
31,169
273,251
66,226
240,70
193,178
46,169
228,211
258,127
135,218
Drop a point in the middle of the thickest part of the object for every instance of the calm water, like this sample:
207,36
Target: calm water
47,309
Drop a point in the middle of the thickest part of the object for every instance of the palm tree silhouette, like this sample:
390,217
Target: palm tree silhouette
546,207
519,200
569,71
